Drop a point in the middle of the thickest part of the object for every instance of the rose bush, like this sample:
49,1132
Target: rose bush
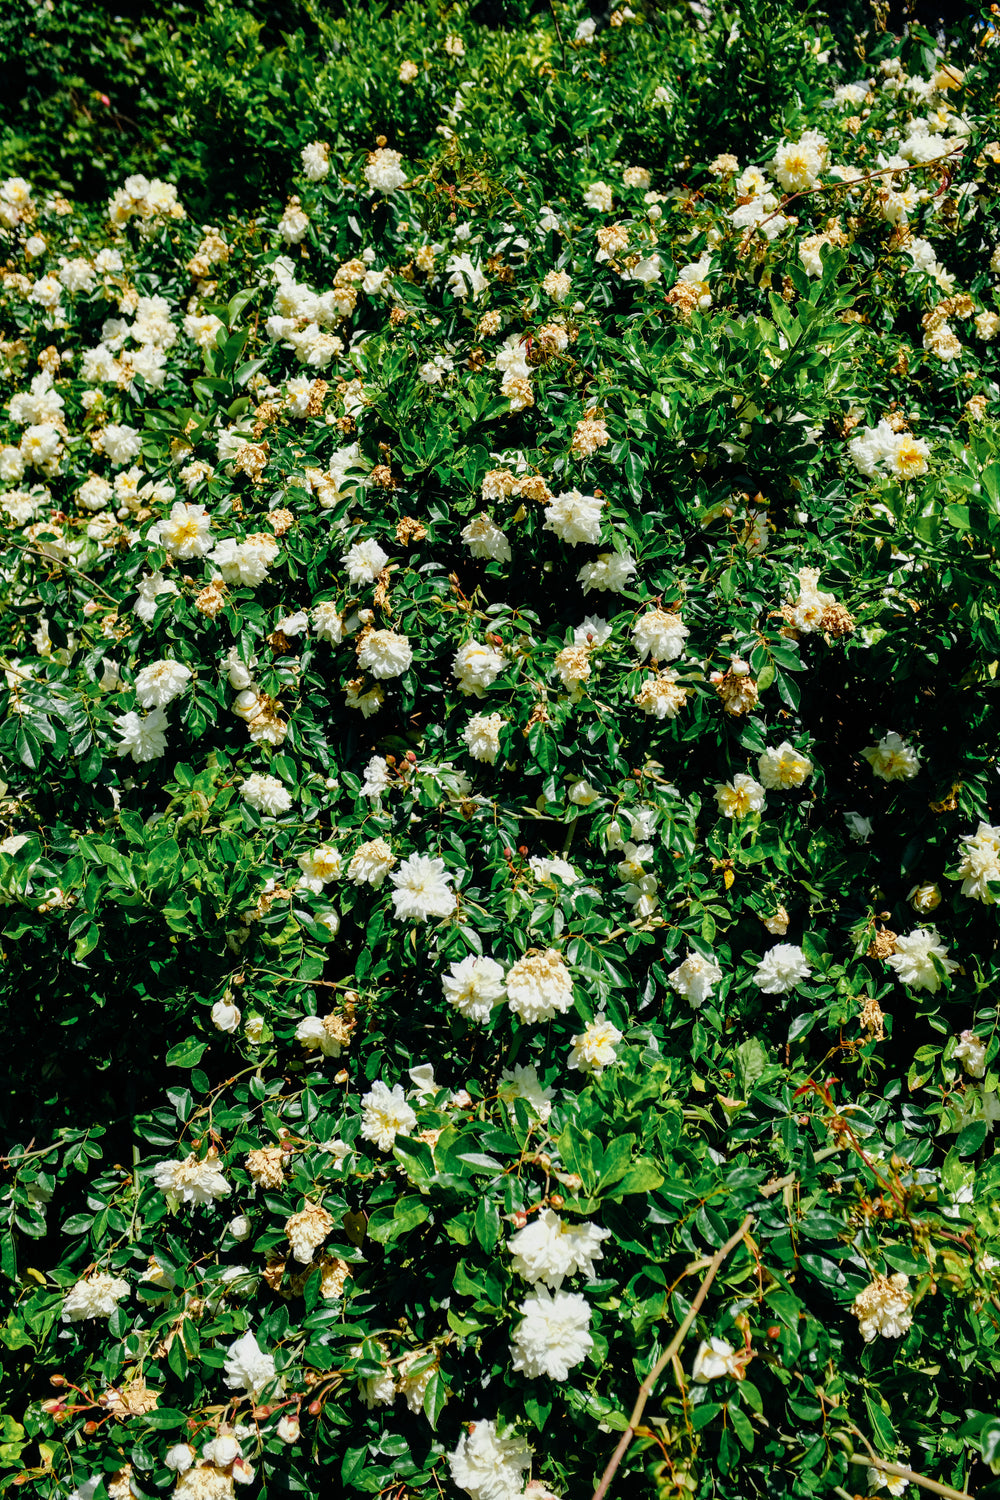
499,795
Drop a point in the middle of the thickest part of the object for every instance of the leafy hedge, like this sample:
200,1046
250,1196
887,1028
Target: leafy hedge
500,842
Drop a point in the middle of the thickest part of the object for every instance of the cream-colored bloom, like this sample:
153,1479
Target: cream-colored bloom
740,796
385,1114
979,866
160,683
783,768
192,1180
594,1049
476,666
482,737
553,1335
892,759
474,985
660,635
371,863
539,986
660,697
715,1357
921,960
695,978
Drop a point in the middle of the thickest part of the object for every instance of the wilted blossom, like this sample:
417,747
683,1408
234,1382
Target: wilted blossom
884,1307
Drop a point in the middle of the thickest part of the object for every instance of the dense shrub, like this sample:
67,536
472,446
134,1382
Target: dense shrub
500,830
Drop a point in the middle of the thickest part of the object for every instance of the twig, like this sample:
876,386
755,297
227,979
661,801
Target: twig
555,22
899,1472
646,1389
832,187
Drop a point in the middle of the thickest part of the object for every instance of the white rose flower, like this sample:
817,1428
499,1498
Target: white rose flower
740,796
96,1296
422,889
539,986
782,969
121,443
482,737
553,1335
485,539
142,738
266,794
246,562
247,1367
476,666
385,654
892,759
371,863
884,1307
582,794
179,1458
226,1017
695,978
320,865
488,1466
548,1249
594,1049
522,1082
192,1180
660,635
328,622
385,1114
383,172
970,1051
364,562
160,683
783,768
575,518
921,959
186,532
714,1358
473,986
316,160
979,866
609,574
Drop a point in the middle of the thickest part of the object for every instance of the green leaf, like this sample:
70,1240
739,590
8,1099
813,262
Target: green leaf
486,1223
643,1176
186,1054
165,1417
435,1396
971,1138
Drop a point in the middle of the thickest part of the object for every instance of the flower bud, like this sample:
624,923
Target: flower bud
925,898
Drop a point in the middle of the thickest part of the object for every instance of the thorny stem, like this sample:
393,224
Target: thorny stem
646,1389
830,187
